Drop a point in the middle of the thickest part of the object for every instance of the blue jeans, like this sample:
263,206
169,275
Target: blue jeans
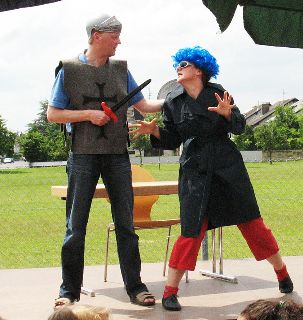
83,174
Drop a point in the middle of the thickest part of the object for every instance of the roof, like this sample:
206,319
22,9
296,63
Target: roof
265,112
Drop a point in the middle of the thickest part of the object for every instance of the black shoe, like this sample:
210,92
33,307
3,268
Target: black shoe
171,303
286,285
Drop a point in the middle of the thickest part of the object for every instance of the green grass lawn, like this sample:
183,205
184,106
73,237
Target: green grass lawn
33,222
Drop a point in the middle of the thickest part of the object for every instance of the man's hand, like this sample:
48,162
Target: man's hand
98,117
224,106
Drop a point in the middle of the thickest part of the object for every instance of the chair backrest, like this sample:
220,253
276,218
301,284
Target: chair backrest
142,204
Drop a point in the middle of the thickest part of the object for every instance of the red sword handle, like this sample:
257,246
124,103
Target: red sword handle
108,111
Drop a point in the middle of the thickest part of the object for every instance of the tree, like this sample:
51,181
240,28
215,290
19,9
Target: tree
7,140
300,120
266,137
288,128
142,143
284,132
34,146
49,140
41,123
246,140
286,117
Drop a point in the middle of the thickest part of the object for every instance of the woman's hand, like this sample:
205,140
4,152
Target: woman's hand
144,127
224,106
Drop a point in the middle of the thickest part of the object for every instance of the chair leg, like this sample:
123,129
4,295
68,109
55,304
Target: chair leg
166,253
186,276
106,254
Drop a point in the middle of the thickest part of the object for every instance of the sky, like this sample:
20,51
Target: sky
33,41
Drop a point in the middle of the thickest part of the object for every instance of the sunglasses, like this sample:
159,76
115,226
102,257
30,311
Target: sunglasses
184,64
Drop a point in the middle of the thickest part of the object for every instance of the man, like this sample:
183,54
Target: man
99,148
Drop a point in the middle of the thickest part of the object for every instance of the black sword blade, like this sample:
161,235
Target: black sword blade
130,95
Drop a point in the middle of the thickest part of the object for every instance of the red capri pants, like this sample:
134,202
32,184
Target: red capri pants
258,236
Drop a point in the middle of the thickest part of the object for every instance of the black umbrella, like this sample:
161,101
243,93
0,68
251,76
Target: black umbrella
276,23
6,5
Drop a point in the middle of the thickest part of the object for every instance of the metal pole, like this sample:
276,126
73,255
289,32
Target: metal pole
221,250
214,250
214,274
205,247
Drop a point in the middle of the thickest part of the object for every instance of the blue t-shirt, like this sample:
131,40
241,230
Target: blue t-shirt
61,100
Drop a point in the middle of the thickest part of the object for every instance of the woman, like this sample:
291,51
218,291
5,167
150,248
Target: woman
214,187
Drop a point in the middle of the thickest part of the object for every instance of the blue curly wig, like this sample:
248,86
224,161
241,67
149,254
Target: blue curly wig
200,57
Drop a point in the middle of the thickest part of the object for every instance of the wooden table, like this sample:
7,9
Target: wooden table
140,189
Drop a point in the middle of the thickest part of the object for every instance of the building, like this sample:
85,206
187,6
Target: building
265,112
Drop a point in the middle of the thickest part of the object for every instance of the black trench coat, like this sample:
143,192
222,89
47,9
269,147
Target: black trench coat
213,180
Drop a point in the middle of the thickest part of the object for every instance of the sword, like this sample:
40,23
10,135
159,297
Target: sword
111,111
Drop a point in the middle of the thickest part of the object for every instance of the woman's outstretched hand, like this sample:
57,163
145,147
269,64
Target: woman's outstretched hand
224,105
144,127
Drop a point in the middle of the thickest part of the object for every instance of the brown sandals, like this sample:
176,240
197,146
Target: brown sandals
141,297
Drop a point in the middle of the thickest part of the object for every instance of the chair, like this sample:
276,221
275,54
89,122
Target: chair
142,215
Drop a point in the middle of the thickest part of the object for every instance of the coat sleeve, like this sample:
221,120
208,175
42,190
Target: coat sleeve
237,122
169,135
